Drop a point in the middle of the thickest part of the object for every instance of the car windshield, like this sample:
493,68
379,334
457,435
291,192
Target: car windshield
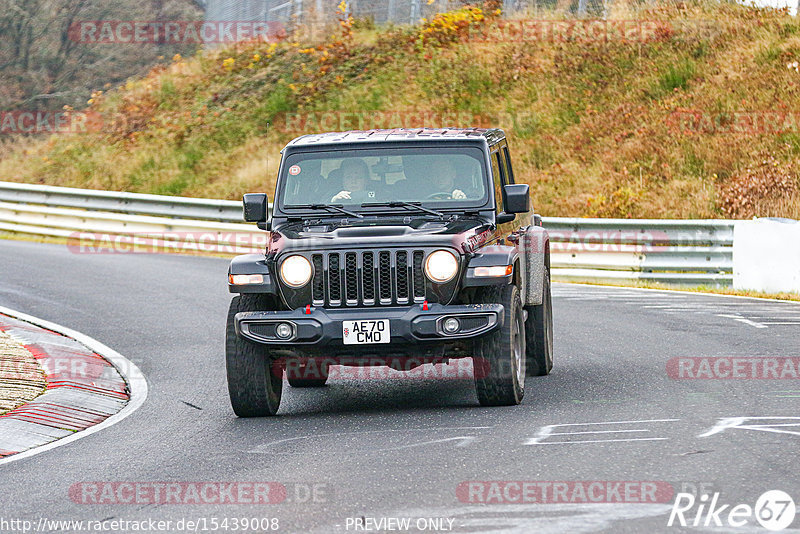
442,177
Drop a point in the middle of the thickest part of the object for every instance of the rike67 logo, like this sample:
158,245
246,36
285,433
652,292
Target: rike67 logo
774,510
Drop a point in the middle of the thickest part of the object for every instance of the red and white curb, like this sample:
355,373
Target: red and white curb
89,387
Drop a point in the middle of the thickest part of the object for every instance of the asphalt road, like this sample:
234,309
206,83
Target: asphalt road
400,448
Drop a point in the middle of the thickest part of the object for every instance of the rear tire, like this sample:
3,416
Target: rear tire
255,378
539,333
499,357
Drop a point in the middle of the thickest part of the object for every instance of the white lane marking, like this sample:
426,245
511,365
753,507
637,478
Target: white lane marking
670,307
547,431
463,441
596,441
126,368
762,316
739,423
268,448
619,422
596,432
742,320
752,312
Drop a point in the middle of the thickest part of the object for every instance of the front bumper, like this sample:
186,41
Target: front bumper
319,327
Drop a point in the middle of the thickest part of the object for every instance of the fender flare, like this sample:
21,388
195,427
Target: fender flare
535,246
251,264
492,256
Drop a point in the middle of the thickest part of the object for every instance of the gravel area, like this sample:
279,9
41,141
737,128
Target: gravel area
21,377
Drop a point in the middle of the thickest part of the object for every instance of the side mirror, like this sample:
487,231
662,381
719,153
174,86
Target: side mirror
518,198
255,207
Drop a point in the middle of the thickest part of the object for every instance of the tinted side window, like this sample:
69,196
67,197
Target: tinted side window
507,170
498,181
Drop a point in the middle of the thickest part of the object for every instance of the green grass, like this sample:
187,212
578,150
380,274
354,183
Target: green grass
677,76
588,122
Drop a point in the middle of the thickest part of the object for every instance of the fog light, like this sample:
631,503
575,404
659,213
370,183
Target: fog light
284,330
451,325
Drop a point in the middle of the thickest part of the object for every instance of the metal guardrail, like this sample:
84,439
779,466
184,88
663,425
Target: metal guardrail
690,252
121,202
110,221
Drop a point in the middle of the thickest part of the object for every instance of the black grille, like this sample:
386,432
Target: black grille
419,275
318,285
264,330
386,277
402,277
472,323
368,277
334,280
351,277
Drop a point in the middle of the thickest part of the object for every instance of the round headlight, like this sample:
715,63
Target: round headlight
441,266
296,271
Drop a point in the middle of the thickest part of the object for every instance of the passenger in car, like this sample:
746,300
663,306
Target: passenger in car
356,184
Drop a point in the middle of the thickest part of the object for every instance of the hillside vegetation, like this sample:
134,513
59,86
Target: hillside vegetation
690,112
44,65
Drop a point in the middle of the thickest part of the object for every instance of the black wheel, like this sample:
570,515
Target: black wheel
255,379
310,374
539,334
499,357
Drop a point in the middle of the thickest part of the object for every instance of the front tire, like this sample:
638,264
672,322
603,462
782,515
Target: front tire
539,333
499,357
255,378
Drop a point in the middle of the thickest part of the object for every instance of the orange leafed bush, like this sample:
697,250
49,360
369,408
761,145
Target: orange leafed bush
760,190
452,26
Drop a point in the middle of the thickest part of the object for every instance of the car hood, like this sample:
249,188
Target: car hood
458,233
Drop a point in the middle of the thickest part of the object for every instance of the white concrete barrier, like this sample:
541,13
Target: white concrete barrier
766,255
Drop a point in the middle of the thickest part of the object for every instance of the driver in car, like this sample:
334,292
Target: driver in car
443,177
355,176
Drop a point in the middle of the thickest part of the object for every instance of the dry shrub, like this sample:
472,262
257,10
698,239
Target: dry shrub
763,190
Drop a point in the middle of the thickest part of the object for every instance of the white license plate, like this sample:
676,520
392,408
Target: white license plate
365,332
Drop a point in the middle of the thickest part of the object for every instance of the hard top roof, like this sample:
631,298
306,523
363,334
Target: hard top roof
492,136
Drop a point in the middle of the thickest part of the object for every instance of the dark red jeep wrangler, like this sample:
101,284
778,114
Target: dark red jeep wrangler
391,247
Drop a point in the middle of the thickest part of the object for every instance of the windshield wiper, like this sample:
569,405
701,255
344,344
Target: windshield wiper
329,207
403,204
